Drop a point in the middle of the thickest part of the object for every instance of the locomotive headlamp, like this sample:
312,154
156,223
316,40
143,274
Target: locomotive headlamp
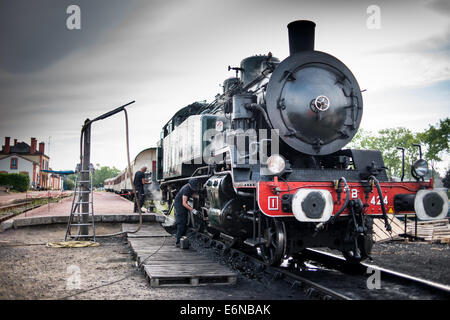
276,164
420,168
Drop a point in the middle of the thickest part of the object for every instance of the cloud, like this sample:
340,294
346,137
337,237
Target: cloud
413,61
167,54
33,34
440,6
416,63
438,44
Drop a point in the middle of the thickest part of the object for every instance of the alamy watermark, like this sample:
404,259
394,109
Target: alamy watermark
373,21
73,281
374,280
73,21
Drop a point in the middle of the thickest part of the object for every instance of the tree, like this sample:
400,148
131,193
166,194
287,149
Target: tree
436,139
68,184
446,180
102,173
387,141
17,181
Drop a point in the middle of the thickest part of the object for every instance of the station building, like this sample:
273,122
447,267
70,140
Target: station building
27,158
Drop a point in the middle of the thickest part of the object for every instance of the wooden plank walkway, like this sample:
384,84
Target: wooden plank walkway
379,231
166,265
147,230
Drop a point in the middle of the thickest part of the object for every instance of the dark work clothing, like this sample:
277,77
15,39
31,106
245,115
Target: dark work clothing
138,176
184,191
181,212
139,186
141,198
181,229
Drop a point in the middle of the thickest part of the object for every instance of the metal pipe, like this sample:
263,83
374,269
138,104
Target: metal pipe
301,36
245,194
136,198
403,161
347,198
255,106
108,114
420,149
321,225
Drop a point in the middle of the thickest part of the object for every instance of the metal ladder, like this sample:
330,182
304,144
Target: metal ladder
75,209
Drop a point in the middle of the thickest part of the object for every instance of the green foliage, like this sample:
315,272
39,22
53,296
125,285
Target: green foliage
102,173
434,141
446,180
437,139
4,179
17,181
68,184
387,141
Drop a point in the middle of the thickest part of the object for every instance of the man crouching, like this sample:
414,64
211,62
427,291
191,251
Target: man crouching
182,208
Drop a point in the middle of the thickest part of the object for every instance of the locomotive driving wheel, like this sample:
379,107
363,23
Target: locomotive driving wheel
274,248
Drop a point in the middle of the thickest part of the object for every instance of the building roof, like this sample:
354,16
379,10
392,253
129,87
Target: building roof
22,148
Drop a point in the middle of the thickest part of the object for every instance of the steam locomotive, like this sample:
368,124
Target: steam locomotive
269,152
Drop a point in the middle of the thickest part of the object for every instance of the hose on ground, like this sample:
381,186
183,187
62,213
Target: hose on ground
383,208
72,244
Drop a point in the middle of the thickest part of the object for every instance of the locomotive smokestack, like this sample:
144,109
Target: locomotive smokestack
301,36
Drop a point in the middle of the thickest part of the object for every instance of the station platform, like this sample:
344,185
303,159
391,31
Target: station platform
108,207
104,203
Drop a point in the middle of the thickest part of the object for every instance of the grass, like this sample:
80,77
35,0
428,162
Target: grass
34,203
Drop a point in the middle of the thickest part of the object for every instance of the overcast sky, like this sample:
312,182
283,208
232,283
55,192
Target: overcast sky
168,54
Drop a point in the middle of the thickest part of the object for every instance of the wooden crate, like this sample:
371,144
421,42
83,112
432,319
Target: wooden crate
181,274
433,231
379,231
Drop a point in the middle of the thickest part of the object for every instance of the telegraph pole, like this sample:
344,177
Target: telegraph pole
85,188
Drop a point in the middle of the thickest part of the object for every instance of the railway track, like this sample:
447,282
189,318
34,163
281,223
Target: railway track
323,275
8,211
391,284
5,210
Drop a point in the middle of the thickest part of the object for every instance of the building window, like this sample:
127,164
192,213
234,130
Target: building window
44,164
13,163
